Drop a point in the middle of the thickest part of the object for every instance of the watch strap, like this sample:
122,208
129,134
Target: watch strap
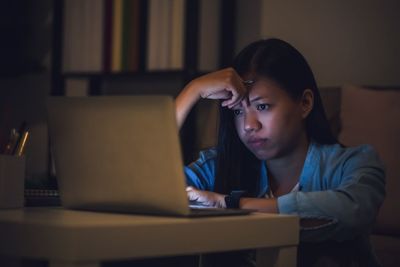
232,200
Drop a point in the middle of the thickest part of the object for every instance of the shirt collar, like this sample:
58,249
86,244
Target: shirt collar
311,162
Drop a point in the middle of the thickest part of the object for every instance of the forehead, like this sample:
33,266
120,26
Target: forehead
265,88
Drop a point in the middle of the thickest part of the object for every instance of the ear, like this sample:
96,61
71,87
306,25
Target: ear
307,102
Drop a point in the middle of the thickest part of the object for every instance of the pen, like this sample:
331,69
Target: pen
22,144
21,132
12,142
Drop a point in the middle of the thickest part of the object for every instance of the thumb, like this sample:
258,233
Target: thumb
192,193
189,188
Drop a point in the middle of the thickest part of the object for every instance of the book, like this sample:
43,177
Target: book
116,62
159,32
131,35
72,36
94,32
177,35
209,35
83,36
42,197
107,35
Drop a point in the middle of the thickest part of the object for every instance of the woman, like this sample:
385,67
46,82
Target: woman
276,147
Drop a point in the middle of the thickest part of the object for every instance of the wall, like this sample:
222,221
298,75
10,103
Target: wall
353,41
23,94
248,22
345,42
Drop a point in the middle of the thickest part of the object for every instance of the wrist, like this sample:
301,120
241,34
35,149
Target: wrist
193,88
232,201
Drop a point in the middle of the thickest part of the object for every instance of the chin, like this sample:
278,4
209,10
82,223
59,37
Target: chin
261,153
264,154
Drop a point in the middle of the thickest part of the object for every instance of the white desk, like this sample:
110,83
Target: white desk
80,238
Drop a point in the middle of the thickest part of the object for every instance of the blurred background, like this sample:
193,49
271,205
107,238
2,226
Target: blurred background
99,47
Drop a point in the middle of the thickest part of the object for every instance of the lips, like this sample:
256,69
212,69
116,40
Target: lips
256,142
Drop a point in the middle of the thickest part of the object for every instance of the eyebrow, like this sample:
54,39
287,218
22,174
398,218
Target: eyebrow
257,98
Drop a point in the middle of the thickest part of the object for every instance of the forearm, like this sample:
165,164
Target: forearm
261,204
224,85
332,214
184,102
269,205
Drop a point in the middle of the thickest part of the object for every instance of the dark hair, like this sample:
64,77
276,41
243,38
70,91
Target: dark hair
237,167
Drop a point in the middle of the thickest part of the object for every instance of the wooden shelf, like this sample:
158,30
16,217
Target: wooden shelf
123,74
99,83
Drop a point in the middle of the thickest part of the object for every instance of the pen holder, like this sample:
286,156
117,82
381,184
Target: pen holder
12,181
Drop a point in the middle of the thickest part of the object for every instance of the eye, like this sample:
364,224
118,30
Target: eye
237,112
262,106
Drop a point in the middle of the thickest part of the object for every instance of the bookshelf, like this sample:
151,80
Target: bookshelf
197,30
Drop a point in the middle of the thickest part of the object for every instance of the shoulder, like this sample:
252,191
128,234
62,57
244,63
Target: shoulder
200,173
363,154
350,161
207,156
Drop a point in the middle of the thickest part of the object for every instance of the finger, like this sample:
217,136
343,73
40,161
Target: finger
192,195
223,94
234,96
239,91
230,104
237,102
234,102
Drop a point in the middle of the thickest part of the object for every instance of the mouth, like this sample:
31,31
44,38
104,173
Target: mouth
256,142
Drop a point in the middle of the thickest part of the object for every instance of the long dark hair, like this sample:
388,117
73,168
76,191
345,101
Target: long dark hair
237,167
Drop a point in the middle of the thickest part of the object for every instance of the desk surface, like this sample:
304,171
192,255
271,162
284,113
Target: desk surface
68,235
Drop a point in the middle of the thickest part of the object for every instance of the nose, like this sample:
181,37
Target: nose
251,122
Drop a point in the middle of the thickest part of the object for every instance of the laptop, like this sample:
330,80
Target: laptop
120,154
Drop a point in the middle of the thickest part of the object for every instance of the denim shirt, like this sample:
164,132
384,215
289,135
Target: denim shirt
344,185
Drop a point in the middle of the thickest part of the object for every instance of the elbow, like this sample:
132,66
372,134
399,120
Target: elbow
347,226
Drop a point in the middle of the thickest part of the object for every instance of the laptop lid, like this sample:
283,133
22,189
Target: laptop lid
118,153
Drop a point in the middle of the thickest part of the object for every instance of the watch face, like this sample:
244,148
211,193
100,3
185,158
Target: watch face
233,199
228,201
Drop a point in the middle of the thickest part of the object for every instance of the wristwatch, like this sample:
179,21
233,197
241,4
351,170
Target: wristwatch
232,200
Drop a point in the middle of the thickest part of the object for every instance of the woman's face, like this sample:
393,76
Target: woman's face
269,122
